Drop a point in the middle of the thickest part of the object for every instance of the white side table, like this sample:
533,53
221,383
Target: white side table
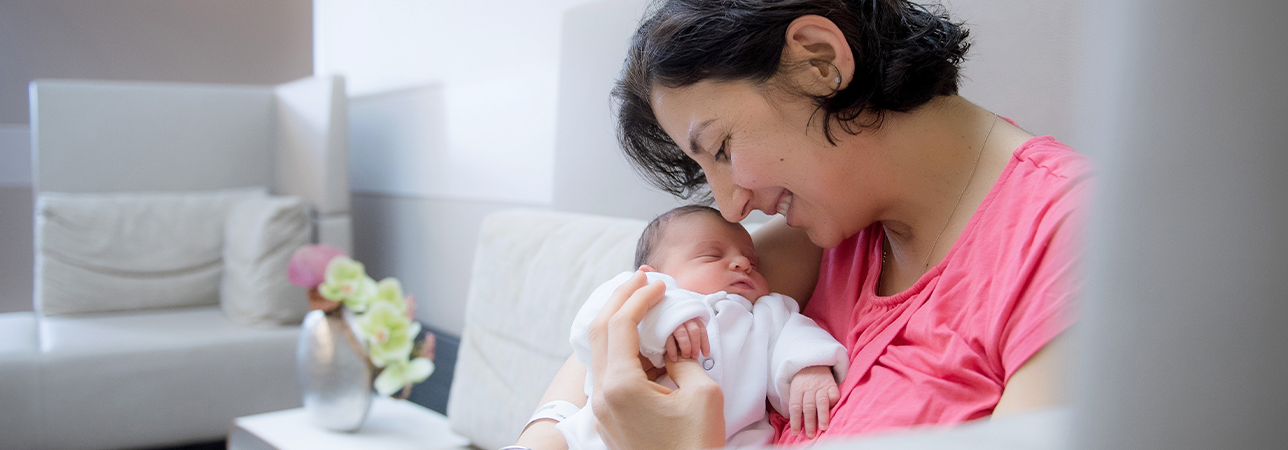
391,424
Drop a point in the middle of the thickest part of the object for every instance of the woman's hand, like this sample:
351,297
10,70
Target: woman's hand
633,412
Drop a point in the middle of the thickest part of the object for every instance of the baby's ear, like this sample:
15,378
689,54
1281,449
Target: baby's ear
647,268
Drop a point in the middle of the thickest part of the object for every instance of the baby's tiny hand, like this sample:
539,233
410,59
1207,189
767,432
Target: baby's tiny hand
687,341
812,396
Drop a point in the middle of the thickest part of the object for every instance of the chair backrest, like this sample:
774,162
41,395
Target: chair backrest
532,271
114,136
122,136
96,137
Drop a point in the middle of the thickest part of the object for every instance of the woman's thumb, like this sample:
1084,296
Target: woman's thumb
689,375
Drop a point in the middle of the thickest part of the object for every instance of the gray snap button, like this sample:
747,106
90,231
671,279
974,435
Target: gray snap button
708,363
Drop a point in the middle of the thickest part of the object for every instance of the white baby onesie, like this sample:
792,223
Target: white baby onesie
756,349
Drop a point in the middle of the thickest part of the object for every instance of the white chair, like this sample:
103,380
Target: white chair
156,377
532,271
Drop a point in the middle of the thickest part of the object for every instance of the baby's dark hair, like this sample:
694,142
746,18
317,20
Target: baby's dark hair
644,249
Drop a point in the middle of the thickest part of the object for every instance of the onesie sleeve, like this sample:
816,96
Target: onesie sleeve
800,343
679,306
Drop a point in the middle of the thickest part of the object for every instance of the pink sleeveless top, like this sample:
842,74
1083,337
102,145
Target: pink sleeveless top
942,351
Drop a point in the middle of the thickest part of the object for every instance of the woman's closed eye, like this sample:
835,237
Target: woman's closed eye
722,152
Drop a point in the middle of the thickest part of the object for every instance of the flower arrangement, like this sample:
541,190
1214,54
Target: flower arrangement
383,315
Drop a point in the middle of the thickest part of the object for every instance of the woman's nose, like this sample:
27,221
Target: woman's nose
734,202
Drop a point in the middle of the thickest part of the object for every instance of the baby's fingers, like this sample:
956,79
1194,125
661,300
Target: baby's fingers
670,349
697,335
823,399
794,407
684,341
810,413
706,342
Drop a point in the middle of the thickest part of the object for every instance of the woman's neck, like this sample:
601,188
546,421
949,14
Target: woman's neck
941,159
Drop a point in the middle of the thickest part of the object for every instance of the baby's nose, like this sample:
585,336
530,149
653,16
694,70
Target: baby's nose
741,263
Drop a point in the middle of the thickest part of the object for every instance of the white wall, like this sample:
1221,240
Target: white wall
1024,61
479,78
228,41
591,173
452,116
15,155
15,219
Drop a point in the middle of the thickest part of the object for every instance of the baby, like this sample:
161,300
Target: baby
718,309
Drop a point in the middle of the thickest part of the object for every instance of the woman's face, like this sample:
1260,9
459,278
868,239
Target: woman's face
762,152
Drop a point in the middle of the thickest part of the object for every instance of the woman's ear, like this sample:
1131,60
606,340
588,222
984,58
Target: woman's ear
818,55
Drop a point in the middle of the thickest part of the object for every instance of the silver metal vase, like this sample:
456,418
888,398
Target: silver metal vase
334,375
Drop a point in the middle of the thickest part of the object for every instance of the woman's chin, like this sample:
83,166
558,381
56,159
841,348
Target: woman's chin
824,238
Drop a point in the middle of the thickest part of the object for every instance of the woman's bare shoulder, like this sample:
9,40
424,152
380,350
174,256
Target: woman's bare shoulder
788,260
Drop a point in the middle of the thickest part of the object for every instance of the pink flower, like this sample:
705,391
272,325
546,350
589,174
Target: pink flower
427,347
308,264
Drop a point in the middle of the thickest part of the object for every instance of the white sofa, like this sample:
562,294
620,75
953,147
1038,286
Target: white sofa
153,377
532,271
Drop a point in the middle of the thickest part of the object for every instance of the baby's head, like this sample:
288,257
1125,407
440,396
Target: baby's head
703,252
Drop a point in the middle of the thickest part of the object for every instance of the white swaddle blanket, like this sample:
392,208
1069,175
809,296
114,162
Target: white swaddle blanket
756,349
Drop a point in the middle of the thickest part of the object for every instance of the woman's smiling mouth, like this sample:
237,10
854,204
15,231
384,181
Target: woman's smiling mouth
785,203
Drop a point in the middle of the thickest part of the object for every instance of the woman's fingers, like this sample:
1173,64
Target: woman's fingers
599,327
699,395
622,333
651,372
632,410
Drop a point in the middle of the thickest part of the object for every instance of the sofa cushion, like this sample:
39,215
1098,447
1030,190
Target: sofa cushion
128,251
259,238
532,271
162,377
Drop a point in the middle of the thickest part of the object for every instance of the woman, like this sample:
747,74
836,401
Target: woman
936,240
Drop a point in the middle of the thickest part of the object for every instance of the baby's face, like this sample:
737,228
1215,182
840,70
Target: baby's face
706,255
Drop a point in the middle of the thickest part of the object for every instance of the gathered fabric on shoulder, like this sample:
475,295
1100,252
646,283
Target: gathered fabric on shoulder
942,351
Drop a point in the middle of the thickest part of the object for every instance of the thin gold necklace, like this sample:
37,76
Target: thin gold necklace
969,178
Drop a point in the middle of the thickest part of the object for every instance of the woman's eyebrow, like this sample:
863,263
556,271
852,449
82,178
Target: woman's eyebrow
695,132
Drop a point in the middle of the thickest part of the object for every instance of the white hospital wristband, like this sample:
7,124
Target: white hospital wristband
557,411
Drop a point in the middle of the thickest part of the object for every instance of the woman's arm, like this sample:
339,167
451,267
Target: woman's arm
788,260
568,385
1041,382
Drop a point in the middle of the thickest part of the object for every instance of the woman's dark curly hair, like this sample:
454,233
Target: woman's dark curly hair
904,54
